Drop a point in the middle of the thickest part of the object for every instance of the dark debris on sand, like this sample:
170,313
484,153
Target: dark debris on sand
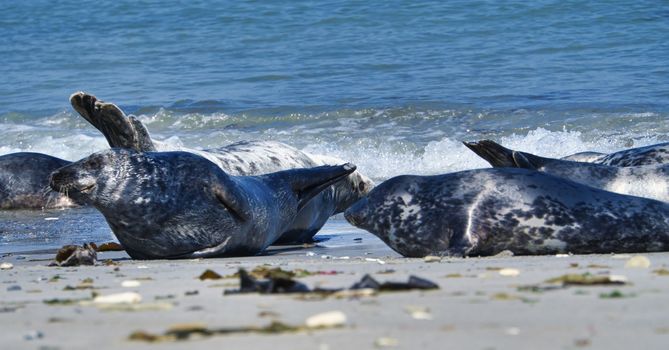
284,284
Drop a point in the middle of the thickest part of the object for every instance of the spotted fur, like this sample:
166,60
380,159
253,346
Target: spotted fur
486,211
647,155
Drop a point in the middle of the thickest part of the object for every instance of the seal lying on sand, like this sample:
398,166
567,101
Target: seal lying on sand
647,155
487,211
180,205
242,158
24,181
650,181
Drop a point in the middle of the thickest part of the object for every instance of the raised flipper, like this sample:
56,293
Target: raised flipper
501,157
120,130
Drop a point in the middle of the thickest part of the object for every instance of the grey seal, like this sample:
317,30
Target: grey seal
24,182
650,181
241,158
487,211
639,156
180,205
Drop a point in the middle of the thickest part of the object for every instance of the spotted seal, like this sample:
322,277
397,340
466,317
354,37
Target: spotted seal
587,157
181,205
24,182
646,155
650,181
486,211
241,158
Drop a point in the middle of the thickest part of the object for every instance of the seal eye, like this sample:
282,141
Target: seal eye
94,163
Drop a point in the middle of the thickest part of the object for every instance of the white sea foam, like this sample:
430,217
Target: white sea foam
382,143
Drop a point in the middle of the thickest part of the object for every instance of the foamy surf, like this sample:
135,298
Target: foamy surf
382,143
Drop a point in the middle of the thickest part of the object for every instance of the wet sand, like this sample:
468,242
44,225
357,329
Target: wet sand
483,303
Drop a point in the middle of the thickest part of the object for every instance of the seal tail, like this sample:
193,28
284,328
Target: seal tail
120,130
502,157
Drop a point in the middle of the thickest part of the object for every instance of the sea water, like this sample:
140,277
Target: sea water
392,86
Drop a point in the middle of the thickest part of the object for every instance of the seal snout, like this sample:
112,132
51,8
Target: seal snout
65,180
357,213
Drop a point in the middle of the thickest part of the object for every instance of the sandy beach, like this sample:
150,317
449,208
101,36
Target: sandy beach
499,302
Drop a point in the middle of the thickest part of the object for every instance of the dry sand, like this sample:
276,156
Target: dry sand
482,303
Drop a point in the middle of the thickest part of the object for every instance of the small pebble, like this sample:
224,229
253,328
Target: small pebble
13,288
386,342
6,266
418,312
33,335
431,258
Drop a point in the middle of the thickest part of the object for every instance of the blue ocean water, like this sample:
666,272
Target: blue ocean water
392,86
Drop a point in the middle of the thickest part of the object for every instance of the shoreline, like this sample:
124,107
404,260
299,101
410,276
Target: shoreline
477,306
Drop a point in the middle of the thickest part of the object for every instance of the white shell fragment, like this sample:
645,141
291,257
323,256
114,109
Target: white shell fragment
508,272
326,319
638,261
120,298
381,262
6,266
131,284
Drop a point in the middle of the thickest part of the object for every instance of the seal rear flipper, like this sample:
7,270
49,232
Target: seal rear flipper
144,141
501,157
119,130
307,183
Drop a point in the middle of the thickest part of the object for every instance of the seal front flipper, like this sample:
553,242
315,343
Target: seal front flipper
120,130
210,252
502,157
230,195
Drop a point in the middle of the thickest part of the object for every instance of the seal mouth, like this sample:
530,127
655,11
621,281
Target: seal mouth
86,189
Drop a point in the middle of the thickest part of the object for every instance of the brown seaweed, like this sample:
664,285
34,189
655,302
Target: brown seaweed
74,255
